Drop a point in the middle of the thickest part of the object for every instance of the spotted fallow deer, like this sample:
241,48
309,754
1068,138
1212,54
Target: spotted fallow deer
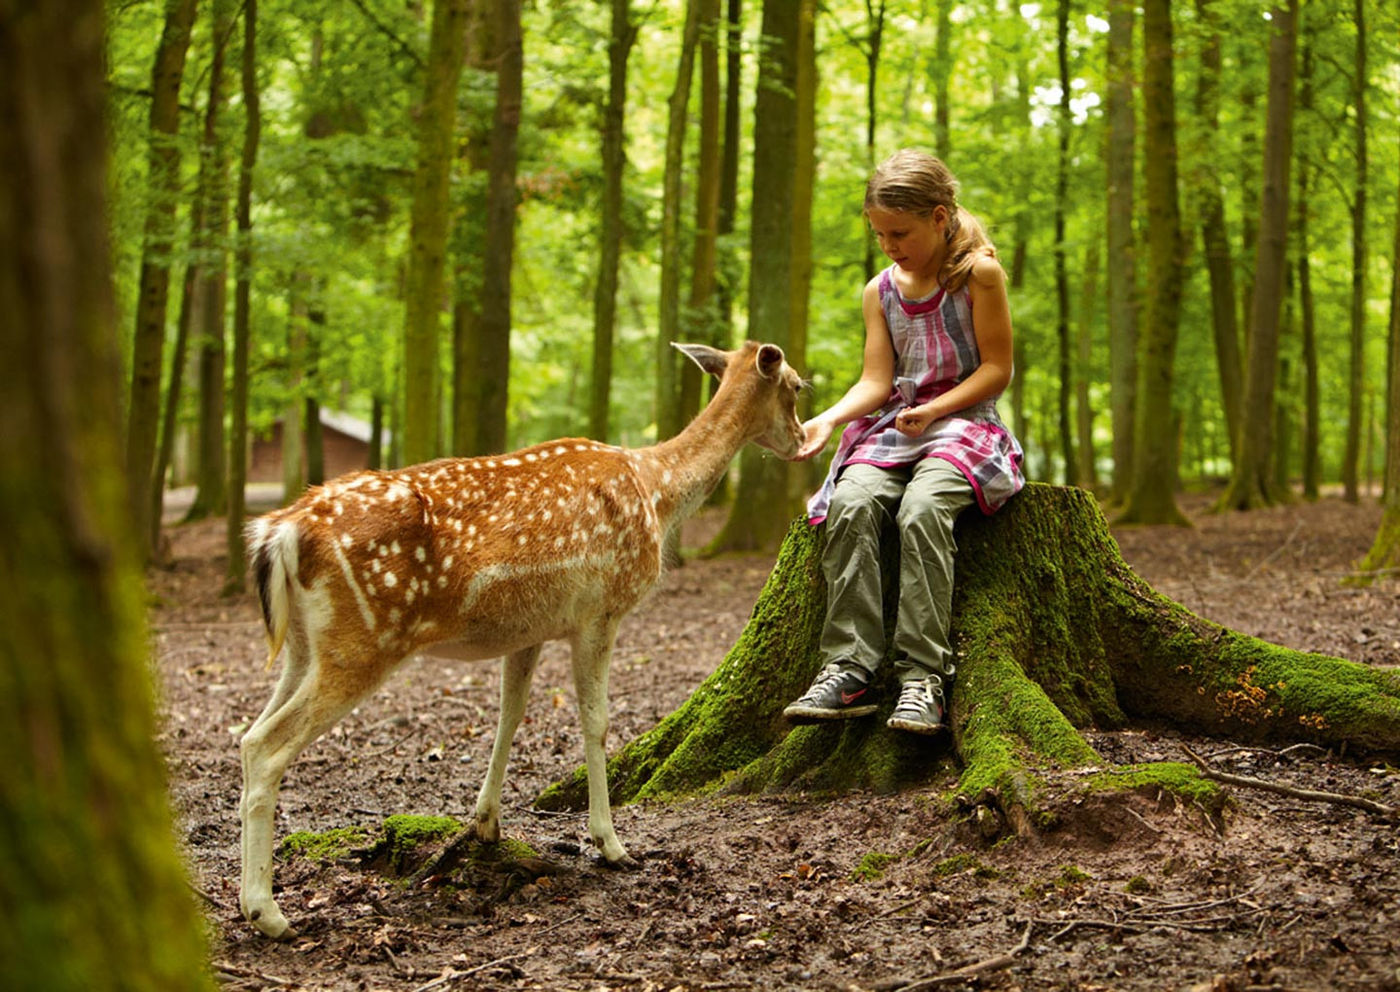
481,558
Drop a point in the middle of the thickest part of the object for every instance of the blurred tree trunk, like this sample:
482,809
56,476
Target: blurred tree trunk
1356,377
211,293
243,272
622,36
427,251
1210,208
941,75
487,349
761,509
1152,498
1053,631
1065,124
668,392
1252,482
148,340
1311,443
93,889
1088,468
1122,252
700,322
179,358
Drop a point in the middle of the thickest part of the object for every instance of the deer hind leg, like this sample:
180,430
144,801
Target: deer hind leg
304,705
517,671
592,655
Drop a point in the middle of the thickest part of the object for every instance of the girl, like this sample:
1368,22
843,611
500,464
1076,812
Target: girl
924,441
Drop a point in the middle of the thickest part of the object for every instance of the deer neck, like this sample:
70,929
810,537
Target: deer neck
682,471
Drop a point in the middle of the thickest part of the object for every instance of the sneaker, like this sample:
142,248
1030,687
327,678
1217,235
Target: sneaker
920,707
837,694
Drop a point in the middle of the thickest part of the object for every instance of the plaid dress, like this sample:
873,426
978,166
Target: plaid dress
935,349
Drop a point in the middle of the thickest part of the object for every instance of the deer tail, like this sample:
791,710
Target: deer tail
272,548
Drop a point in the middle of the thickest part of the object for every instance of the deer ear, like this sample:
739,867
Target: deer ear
770,360
710,360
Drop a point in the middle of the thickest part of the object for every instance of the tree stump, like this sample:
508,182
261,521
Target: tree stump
1053,633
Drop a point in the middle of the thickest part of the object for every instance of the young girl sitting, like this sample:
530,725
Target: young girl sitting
923,442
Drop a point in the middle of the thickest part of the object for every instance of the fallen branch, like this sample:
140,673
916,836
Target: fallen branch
224,968
1312,795
452,975
996,963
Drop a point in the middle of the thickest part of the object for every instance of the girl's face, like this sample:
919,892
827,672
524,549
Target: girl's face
915,243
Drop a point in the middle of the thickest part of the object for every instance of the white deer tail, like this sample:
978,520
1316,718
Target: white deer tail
272,550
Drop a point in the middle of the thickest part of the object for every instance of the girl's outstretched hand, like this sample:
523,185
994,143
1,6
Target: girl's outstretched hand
818,433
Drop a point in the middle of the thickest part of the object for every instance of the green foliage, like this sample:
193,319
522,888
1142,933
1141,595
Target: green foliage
332,845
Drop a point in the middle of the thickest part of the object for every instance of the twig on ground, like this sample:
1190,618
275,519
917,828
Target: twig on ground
452,975
225,968
216,903
1313,795
1003,960
1276,552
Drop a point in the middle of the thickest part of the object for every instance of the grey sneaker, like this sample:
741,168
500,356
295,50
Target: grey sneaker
920,708
837,694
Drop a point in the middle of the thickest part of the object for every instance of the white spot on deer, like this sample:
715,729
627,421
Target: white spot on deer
532,457
560,450
447,562
395,615
376,566
395,548
511,462
391,580
522,539
442,582
408,596
420,553
457,526
559,541
346,540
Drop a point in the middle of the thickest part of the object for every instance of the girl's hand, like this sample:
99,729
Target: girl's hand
913,421
818,433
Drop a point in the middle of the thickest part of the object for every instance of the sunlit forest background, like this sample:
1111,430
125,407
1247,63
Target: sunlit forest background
625,141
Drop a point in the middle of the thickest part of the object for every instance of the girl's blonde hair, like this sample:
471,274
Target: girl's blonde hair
915,182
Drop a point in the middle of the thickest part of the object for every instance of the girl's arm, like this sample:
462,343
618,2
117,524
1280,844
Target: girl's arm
991,324
872,389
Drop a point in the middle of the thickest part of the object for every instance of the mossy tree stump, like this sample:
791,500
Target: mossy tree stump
1054,633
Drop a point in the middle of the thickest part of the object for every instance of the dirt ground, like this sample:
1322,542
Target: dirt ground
800,891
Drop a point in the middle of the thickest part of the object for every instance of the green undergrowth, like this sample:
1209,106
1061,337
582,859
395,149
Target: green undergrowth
327,846
1174,778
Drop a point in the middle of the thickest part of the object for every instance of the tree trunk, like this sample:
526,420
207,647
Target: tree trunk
1356,378
1152,499
942,74
170,416
93,889
621,39
211,471
427,253
667,402
761,510
1065,123
1311,441
1122,266
1083,405
243,266
148,340
1252,483
487,351
1214,240
1053,632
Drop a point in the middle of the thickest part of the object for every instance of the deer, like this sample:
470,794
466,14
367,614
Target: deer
481,558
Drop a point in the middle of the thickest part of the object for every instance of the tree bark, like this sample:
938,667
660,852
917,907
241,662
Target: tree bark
622,36
1356,368
1122,265
423,283
1252,482
243,273
152,298
1152,499
1053,632
1083,405
758,519
1065,123
93,890
1312,415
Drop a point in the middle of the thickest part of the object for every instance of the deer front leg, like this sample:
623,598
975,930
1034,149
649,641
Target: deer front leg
517,670
592,655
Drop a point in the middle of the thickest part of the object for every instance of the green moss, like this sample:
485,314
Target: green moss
960,864
330,845
1070,875
1137,885
872,867
1183,781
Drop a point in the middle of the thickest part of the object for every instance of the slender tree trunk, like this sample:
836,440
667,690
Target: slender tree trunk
93,889
148,340
761,510
1214,240
1252,482
179,357
942,74
874,39
423,283
622,36
1311,440
486,350
1088,469
668,391
1356,369
1062,319
1122,266
1153,495
243,255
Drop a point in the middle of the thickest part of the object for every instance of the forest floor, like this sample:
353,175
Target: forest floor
799,891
